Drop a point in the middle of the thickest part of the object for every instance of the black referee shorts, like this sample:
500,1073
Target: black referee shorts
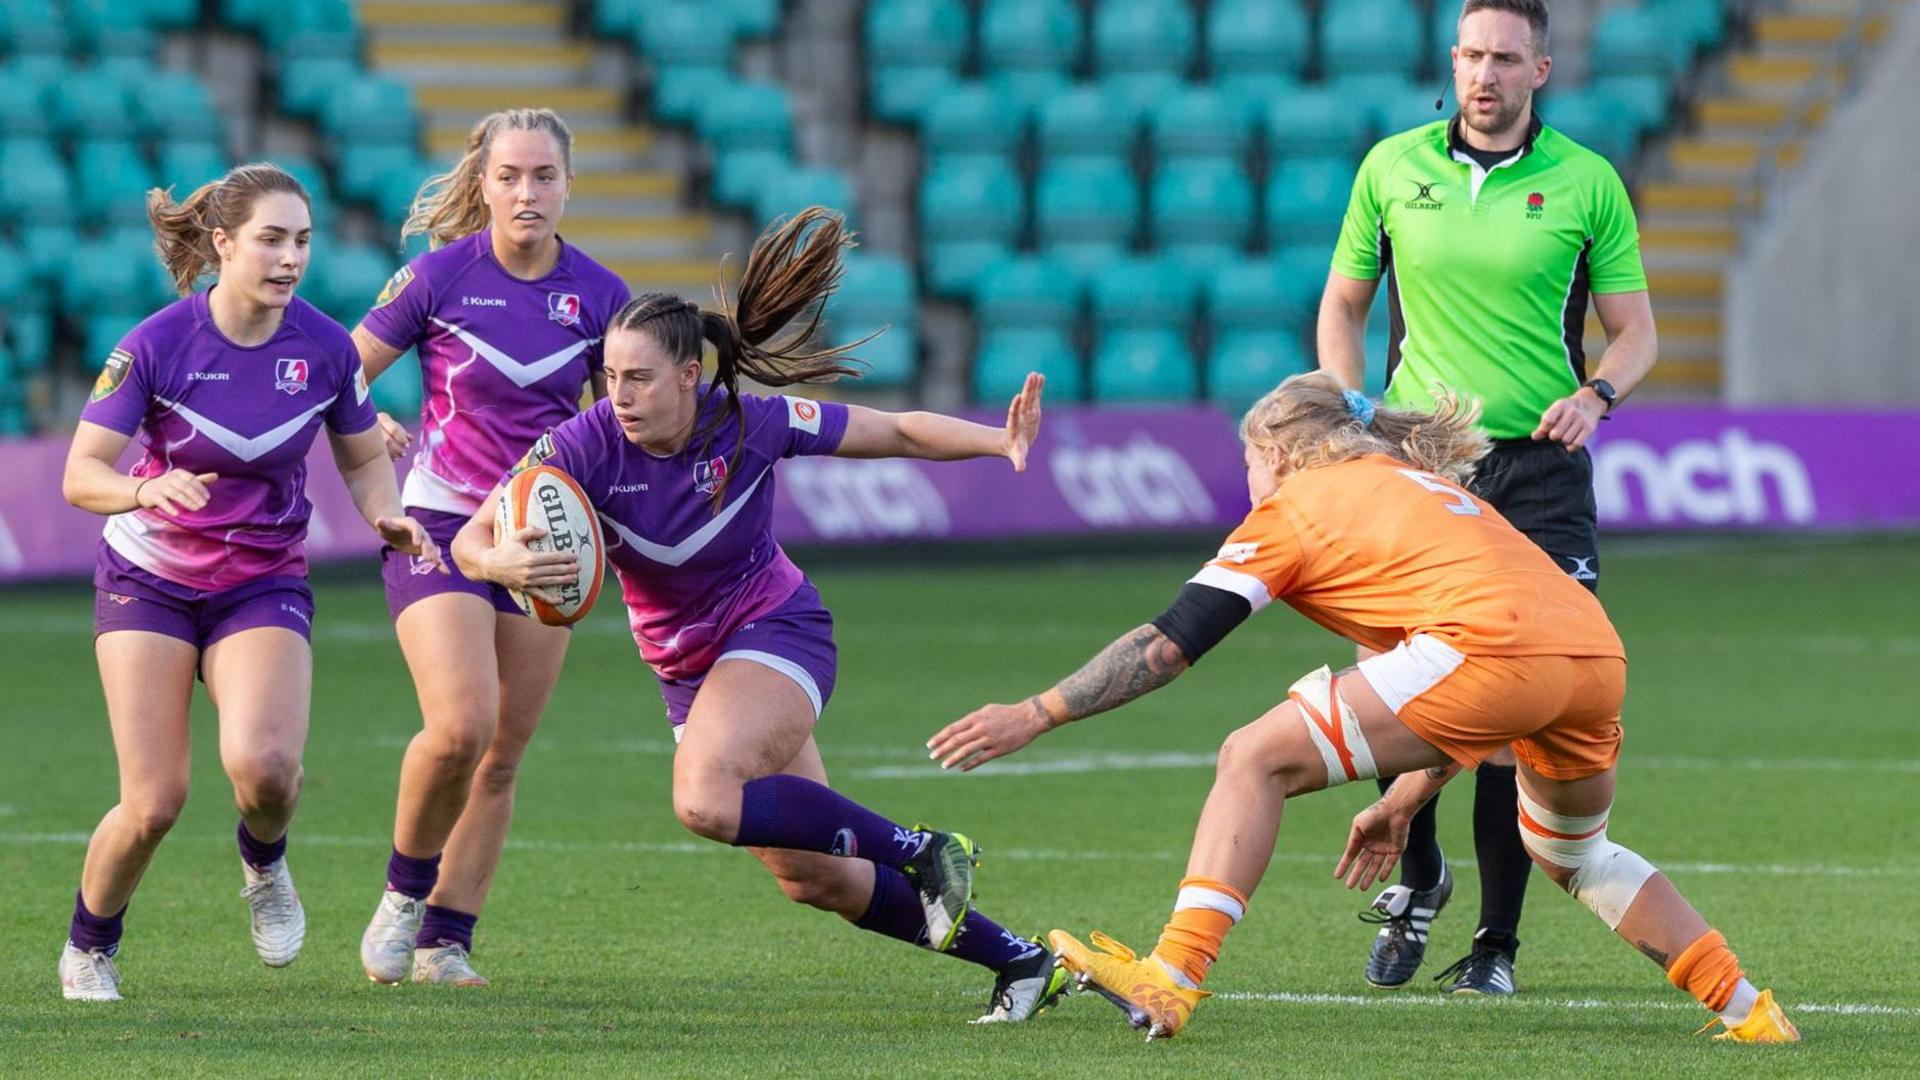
1547,493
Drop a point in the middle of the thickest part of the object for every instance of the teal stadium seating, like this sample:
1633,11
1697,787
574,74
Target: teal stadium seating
1086,212
1029,47
692,54
973,118
877,294
1004,357
971,211
1257,47
1090,120
793,190
1142,49
914,52
1202,122
1202,211
749,125
1306,199
1371,36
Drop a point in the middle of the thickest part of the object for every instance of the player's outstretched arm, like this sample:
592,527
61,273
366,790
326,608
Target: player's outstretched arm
1141,661
934,437
368,472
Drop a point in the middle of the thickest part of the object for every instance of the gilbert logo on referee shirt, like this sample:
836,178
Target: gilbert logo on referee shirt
1425,199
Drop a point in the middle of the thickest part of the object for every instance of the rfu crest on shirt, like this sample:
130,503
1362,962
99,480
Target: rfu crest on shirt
563,308
708,475
290,375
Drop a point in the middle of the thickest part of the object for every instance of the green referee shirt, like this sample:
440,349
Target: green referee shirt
1488,270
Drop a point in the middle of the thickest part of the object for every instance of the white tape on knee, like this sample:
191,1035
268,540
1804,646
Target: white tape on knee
1606,876
1333,727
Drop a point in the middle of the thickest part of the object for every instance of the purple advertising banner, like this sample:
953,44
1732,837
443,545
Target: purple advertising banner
1104,471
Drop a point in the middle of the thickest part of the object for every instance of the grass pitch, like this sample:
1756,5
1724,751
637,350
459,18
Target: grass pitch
1772,766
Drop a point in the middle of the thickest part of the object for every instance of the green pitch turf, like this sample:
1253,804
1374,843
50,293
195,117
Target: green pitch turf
1772,765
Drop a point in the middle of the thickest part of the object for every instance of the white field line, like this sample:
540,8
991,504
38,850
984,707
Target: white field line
1294,858
1528,1001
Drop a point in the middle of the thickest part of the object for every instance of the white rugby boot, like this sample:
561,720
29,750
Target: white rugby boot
447,965
279,922
386,949
88,975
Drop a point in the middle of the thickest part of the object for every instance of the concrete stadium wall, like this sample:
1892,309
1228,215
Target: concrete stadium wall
1823,307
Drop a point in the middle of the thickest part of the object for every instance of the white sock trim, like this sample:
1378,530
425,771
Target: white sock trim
1740,1006
1176,974
1193,896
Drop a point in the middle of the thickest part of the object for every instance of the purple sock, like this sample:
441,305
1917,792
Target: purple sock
89,932
445,926
985,942
411,876
895,908
793,812
260,854
895,912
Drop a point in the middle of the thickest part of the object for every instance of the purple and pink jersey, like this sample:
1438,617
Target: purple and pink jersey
246,413
691,577
504,359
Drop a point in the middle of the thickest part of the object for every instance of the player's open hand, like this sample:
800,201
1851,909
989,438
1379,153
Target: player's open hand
1571,420
409,537
986,733
1374,845
174,491
517,566
1023,421
396,435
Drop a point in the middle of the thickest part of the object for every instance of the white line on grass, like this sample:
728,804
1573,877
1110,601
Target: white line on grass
1302,858
1119,762
1527,1001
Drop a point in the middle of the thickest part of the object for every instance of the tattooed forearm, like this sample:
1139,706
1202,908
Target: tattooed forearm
1142,661
1439,772
1653,954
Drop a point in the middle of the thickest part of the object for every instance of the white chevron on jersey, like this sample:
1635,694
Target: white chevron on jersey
243,447
692,545
522,374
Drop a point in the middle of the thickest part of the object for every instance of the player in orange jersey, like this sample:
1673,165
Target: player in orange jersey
1362,523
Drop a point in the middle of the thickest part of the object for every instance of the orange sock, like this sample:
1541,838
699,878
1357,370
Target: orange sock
1708,970
1202,914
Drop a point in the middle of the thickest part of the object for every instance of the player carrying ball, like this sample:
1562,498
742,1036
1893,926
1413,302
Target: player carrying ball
1361,522
681,475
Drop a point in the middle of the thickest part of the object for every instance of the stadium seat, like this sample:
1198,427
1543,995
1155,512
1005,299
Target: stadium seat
1701,23
749,125
1027,291
355,274
1201,122
1272,294
34,28
26,114
1086,212
1596,123
1144,364
89,105
1150,291
306,81
184,166
1245,364
1390,102
1314,122
914,51
104,28
796,189
105,277
172,14
1647,99
1202,211
100,335
361,169
753,18
369,109
175,106
34,184
114,179
1256,47
1142,49
692,56
973,118
1360,37
310,28
1090,120
399,390
1306,200
971,211
1029,47
877,293
1636,41
1001,364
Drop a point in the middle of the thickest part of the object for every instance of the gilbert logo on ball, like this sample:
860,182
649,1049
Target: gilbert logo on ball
544,496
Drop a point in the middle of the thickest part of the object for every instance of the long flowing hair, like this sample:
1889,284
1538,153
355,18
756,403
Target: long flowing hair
790,272
451,205
1307,421
183,230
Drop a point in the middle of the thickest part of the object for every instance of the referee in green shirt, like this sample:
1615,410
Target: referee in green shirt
1493,231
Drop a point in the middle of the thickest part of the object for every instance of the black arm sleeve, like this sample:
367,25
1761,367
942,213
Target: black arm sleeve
1200,617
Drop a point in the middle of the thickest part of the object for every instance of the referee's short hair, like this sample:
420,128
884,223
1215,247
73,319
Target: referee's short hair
1534,11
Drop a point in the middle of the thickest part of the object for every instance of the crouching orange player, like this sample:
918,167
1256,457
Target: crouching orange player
1362,523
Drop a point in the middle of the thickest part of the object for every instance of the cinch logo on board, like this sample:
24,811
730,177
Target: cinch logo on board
1141,483
1736,480
852,499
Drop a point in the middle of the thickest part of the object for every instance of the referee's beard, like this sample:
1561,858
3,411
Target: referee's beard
1504,117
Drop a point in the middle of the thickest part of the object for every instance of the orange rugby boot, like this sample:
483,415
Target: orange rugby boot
1143,989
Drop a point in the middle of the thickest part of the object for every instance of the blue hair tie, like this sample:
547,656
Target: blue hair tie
1358,406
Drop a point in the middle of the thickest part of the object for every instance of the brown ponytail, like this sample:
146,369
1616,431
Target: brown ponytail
451,205
183,231
790,272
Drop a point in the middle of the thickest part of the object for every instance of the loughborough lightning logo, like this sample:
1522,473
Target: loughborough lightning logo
563,308
708,475
290,375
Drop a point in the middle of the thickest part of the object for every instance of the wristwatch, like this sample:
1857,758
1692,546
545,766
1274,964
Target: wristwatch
1603,390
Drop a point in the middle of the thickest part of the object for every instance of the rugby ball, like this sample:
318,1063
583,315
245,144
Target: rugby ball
546,497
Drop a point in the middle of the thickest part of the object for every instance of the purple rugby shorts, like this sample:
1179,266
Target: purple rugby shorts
794,639
127,597
408,581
